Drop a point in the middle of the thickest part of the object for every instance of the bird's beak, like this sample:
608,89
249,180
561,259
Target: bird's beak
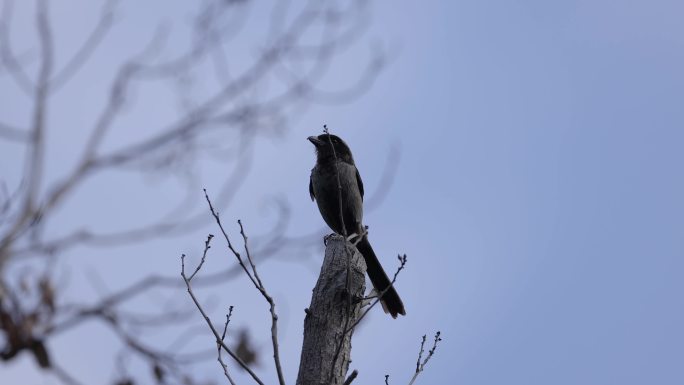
316,142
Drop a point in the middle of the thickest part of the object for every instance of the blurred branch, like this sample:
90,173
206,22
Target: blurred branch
274,241
193,121
7,54
64,376
164,226
224,121
36,149
93,41
11,133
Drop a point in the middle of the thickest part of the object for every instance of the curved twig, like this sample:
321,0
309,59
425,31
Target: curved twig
219,340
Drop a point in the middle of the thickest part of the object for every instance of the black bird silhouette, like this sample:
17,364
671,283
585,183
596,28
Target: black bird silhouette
334,157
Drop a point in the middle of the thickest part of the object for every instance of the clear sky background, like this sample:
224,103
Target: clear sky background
539,195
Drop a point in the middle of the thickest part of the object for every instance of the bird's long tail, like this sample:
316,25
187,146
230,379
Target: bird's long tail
390,300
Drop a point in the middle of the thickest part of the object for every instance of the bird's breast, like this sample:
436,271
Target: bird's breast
327,190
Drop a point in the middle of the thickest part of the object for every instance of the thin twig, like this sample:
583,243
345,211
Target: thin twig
207,246
39,114
7,55
218,347
420,353
339,181
420,366
254,277
215,214
91,43
249,255
35,154
402,264
219,341
351,377
271,304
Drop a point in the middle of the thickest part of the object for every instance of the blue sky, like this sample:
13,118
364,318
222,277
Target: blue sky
538,195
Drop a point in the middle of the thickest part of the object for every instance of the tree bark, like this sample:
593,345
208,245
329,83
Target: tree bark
335,306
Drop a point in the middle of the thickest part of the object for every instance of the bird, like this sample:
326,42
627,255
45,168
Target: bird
334,159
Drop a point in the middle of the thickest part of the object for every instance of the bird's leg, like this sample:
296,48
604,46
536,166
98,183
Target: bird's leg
372,295
358,236
349,238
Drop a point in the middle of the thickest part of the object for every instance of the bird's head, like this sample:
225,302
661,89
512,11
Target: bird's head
325,143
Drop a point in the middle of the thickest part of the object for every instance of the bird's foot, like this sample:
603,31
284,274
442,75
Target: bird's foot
368,300
359,299
349,238
356,237
327,238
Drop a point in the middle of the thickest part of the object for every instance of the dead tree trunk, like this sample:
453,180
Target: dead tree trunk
335,306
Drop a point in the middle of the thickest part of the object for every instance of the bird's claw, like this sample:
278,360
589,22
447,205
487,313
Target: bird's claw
349,238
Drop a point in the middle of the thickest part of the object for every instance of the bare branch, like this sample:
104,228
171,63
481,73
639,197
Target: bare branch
219,340
36,150
207,246
215,214
117,96
386,181
13,133
420,353
232,105
351,377
7,55
218,347
92,42
64,376
133,342
339,182
166,225
194,120
254,277
87,164
420,366
402,264
80,314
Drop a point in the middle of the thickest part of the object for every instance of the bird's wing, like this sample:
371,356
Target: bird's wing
311,190
359,182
